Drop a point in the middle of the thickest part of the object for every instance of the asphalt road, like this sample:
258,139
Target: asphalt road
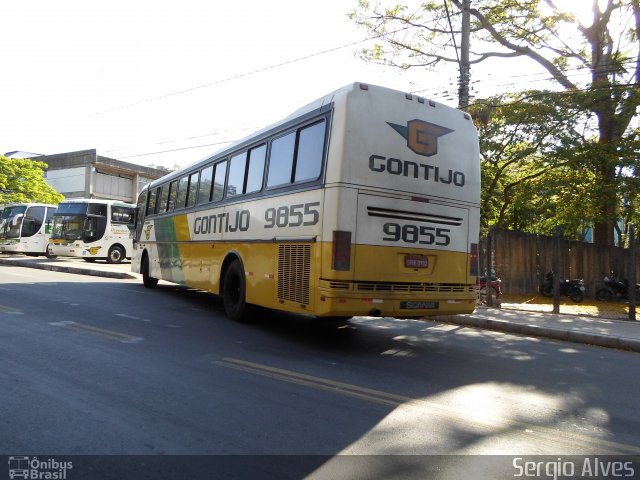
94,366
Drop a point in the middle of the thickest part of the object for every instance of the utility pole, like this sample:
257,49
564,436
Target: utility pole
465,67
632,273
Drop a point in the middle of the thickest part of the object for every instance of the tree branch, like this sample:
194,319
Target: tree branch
549,66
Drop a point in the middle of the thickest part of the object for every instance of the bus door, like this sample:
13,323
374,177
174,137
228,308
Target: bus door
32,229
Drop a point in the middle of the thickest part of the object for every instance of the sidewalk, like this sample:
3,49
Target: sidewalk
99,268
591,330
594,323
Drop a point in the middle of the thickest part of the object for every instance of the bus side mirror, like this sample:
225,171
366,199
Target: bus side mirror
17,219
89,228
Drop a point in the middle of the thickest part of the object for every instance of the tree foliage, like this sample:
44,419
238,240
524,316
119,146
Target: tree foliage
22,181
540,163
600,58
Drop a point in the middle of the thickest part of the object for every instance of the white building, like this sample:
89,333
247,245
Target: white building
85,174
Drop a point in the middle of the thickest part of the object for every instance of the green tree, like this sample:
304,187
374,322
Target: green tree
601,57
538,170
528,147
22,181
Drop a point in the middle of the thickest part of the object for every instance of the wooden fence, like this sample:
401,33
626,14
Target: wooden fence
521,261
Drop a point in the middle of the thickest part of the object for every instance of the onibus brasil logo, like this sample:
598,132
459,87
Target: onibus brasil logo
37,469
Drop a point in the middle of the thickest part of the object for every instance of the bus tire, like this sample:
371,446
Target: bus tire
147,280
234,292
48,254
115,255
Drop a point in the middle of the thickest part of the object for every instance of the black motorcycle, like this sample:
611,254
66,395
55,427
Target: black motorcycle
615,289
573,288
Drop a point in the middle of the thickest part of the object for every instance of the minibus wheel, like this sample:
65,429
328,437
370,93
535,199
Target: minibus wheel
115,255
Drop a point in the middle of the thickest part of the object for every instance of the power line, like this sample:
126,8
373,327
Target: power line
178,149
252,72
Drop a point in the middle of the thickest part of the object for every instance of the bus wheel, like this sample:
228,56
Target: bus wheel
115,255
147,280
48,254
234,292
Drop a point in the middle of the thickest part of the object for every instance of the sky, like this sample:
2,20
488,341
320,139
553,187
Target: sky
168,83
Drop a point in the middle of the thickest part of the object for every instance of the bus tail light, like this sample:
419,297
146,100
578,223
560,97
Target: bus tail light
473,260
341,253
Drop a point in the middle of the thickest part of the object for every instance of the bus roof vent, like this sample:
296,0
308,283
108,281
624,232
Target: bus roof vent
432,103
408,96
364,86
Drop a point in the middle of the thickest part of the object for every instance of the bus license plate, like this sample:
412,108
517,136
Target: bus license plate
418,305
416,261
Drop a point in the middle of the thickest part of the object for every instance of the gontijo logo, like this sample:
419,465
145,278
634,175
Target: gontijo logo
422,137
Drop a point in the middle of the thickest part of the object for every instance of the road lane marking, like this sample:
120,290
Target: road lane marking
547,435
132,317
316,382
101,332
10,310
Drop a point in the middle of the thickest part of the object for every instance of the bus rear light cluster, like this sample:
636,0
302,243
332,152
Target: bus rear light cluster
473,260
341,252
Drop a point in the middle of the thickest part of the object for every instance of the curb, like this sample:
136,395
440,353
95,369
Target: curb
67,269
620,343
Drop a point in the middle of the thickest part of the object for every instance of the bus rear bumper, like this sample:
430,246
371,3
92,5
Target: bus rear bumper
396,306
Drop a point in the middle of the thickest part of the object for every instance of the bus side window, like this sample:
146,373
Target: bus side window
171,204
204,190
193,189
255,172
122,214
33,220
142,209
164,199
310,150
237,167
281,160
50,212
218,183
99,209
183,190
153,201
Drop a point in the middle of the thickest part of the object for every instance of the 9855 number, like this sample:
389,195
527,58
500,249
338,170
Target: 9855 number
422,234
292,215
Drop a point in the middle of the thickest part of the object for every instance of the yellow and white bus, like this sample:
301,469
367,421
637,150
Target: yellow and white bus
26,228
364,202
93,229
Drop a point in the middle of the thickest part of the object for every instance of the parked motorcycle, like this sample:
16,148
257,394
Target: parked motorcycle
615,289
495,283
573,288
